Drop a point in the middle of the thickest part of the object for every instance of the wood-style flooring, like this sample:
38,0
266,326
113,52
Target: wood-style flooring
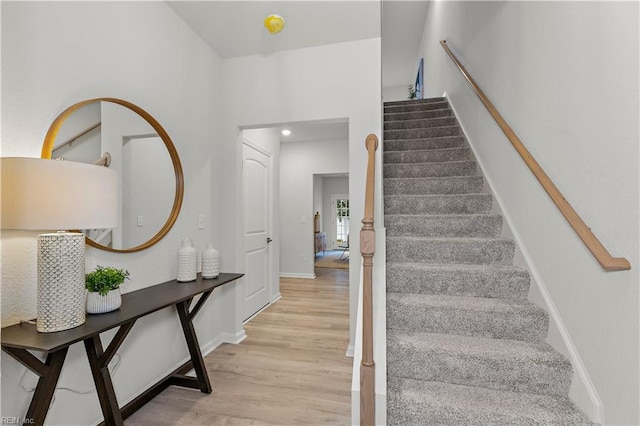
290,370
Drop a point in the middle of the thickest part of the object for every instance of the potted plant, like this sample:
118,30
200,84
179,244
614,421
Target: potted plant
104,284
413,92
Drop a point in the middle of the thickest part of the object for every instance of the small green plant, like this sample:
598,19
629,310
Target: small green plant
102,280
413,92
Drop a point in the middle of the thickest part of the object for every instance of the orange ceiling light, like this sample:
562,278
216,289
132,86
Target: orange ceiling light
274,23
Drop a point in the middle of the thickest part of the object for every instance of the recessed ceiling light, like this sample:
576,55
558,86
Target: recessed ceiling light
286,132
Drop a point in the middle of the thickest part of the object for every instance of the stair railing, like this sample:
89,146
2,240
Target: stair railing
77,136
608,262
367,250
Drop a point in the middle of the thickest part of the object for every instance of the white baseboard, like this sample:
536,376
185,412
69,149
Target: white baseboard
350,351
582,391
276,297
233,338
297,275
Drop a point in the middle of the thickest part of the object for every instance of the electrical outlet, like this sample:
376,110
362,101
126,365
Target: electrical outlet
139,221
200,221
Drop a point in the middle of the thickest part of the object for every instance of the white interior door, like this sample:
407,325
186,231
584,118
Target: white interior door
256,170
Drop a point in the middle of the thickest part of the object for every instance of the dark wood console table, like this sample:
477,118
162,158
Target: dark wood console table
18,339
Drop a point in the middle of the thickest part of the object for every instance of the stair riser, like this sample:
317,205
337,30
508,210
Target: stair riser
420,170
524,324
422,144
496,283
415,107
475,252
434,132
427,186
460,368
420,123
437,204
479,226
418,115
438,155
413,402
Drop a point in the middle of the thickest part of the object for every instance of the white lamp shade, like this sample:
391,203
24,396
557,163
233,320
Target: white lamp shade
41,194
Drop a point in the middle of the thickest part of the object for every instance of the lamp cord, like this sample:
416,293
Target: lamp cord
113,369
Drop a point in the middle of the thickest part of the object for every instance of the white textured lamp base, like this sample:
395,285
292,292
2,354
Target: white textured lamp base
61,289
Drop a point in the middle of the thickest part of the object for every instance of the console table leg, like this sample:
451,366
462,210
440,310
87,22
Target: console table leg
45,388
104,385
194,347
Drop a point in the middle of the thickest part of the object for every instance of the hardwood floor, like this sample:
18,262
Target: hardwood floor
290,370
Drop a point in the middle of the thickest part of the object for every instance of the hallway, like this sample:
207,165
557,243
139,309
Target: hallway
290,370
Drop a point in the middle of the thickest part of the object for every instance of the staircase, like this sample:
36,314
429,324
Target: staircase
464,346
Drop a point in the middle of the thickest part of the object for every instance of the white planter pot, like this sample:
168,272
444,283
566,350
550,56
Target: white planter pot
98,304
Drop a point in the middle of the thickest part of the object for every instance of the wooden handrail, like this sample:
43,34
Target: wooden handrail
608,262
367,250
72,139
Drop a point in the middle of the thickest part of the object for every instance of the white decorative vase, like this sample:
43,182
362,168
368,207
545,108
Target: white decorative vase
187,261
99,304
61,292
210,262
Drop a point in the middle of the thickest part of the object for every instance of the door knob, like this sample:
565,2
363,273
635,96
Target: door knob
269,240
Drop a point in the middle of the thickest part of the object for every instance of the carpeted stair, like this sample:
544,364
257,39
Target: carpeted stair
464,346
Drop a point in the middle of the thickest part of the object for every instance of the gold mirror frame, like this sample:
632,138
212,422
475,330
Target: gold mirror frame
47,148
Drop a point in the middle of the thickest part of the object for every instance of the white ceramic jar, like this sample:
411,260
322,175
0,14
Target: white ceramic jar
187,261
210,262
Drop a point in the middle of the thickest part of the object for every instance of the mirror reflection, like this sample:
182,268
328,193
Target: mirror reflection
113,135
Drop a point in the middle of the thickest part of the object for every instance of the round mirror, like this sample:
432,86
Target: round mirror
120,135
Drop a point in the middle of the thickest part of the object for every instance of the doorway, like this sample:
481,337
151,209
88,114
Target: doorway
339,221
257,194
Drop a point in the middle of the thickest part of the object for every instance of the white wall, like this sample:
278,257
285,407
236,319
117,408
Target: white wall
299,162
55,54
565,77
395,93
318,200
327,82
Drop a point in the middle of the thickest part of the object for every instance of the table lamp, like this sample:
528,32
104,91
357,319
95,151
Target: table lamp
53,195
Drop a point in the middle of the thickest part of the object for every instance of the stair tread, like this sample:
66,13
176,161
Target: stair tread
470,195
496,318
419,123
449,239
417,101
502,281
418,151
411,401
439,215
465,303
456,267
479,347
426,163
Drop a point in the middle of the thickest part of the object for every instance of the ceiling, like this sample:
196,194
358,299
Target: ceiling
235,28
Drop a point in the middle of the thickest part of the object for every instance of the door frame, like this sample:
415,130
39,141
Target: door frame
270,227
334,231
